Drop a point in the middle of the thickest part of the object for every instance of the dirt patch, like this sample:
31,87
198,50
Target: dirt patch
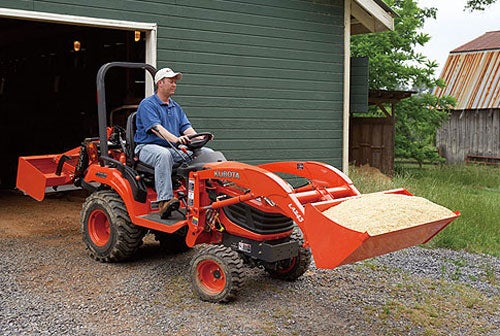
372,173
22,216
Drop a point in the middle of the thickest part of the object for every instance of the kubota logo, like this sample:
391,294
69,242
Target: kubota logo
226,174
296,213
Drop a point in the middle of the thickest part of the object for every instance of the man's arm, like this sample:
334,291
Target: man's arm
161,132
189,131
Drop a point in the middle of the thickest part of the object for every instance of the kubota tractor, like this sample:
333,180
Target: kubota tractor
243,215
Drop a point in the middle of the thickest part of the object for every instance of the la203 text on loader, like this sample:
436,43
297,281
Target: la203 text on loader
244,215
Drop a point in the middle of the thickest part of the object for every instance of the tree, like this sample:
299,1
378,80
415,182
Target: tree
418,118
478,4
395,65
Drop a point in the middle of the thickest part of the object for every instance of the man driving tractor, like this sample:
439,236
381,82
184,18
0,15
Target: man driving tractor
162,125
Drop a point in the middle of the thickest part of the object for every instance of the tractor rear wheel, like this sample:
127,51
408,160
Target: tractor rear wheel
107,231
217,273
293,268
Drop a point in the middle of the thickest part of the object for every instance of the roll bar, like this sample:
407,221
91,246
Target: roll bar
101,96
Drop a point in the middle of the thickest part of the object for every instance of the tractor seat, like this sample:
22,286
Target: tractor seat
132,159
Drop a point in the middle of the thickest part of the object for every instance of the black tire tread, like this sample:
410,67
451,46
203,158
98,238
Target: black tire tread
128,236
236,272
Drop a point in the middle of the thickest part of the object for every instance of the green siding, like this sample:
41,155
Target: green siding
17,4
265,76
359,85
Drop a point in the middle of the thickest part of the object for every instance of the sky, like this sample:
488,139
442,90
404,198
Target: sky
454,27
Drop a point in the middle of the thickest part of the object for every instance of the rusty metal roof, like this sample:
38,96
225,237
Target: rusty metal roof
487,41
472,74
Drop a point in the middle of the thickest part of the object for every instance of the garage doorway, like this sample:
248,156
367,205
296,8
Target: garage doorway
48,85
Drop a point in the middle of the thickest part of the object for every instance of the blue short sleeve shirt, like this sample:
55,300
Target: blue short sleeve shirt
151,112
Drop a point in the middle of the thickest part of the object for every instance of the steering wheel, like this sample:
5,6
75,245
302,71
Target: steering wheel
198,143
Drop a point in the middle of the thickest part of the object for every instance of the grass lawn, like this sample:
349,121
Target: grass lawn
473,190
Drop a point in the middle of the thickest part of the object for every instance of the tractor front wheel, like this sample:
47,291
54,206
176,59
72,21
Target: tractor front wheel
217,273
293,268
107,231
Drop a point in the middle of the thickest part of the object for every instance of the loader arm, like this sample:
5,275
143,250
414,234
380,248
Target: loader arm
317,173
325,181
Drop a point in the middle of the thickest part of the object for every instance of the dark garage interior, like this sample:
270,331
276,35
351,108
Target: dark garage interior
48,73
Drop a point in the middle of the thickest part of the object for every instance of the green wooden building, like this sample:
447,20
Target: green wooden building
270,78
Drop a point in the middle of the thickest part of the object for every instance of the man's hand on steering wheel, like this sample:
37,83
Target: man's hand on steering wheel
184,139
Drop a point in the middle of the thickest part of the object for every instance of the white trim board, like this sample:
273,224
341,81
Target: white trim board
76,20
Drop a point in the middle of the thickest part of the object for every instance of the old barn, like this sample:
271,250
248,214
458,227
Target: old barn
472,75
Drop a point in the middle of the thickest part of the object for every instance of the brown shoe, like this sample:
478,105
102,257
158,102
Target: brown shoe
165,208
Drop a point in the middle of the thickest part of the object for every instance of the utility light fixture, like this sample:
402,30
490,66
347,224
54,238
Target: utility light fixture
76,45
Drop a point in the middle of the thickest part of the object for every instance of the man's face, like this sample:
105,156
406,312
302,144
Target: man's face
167,86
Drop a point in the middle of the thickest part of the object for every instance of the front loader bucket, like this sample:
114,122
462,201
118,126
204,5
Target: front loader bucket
333,245
36,173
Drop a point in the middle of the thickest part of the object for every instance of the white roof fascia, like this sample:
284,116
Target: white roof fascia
372,16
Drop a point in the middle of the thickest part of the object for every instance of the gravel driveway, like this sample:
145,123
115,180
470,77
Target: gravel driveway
49,286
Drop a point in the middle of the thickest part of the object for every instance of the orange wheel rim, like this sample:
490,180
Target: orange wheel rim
211,277
98,227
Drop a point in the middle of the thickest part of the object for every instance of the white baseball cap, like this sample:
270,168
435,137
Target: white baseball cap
166,73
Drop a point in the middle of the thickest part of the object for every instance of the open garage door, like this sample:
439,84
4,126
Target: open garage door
48,85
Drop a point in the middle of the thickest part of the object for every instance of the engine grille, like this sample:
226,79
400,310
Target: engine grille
257,221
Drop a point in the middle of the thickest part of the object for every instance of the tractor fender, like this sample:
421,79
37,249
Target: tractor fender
119,182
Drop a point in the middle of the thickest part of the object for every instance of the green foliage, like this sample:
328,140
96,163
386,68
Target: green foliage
417,120
478,4
395,65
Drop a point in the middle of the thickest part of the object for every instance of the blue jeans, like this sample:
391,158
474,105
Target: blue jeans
162,159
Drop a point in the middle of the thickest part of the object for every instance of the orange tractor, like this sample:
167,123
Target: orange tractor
243,215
